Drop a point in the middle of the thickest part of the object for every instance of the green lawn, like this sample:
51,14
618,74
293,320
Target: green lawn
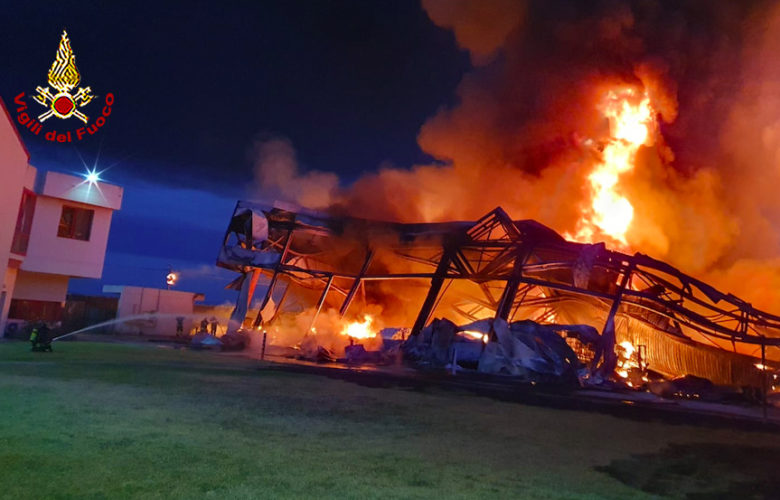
113,421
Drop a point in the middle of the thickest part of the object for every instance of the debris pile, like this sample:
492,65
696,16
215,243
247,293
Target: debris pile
524,349
531,304
233,341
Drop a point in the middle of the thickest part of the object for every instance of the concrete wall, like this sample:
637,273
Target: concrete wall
39,286
72,188
14,167
9,281
50,260
51,254
164,305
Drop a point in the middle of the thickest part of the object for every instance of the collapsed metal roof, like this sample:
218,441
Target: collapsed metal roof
506,269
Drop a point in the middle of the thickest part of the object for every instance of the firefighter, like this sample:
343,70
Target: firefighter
34,338
179,326
44,338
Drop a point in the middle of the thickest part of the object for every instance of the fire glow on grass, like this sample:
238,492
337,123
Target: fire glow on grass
631,121
360,329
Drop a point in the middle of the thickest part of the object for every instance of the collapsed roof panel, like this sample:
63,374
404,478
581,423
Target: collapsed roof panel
497,267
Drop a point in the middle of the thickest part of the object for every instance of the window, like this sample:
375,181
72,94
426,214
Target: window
75,223
24,223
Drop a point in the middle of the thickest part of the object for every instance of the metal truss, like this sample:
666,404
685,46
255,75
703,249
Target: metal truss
512,266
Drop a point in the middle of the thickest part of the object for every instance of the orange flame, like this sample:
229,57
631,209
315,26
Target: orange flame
476,335
360,329
626,359
631,120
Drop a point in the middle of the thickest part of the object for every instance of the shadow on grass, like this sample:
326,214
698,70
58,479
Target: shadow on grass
702,471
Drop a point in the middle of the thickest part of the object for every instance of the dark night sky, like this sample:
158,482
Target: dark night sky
349,83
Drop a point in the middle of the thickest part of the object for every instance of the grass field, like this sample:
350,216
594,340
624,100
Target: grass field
115,421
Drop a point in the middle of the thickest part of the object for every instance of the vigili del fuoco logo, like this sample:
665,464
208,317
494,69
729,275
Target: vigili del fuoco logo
63,102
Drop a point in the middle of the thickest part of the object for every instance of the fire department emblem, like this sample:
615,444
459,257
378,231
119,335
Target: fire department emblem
64,77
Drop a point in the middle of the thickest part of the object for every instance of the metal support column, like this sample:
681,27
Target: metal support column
433,293
320,303
763,377
269,292
238,315
356,283
278,307
507,299
607,347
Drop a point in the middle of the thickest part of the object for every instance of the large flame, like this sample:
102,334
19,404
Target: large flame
360,329
631,120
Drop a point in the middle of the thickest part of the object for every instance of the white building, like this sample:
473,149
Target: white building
154,311
53,227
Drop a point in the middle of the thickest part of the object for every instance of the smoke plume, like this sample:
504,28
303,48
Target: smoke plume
277,176
525,132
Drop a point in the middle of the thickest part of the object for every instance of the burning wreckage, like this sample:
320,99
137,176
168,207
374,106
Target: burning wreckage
493,296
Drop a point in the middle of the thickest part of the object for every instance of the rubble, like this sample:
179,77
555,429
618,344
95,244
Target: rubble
519,299
203,340
524,349
692,387
235,341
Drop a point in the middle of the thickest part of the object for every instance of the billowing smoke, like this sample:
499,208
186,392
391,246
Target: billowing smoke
481,27
277,176
525,132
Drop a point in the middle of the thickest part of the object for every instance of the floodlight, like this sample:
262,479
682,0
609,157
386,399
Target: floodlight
92,177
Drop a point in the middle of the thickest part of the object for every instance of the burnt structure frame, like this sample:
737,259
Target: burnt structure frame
521,254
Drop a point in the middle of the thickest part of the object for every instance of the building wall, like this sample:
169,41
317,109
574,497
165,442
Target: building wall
51,254
83,311
14,167
38,297
72,188
39,286
163,306
9,281
44,268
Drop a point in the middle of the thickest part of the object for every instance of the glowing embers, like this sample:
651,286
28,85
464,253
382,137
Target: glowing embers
360,329
629,364
631,123
473,335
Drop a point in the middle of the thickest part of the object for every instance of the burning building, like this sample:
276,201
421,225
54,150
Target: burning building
613,124
620,311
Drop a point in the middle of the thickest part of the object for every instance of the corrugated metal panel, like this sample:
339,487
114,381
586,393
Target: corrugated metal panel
666,353
676,356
